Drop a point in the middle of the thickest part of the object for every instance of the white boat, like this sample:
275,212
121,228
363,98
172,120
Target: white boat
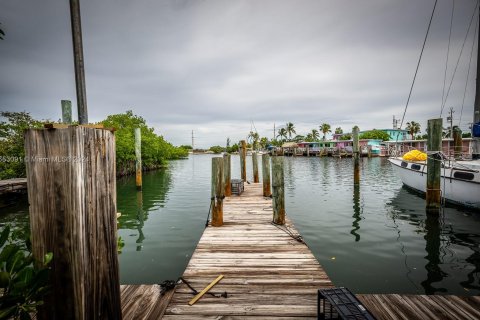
460,180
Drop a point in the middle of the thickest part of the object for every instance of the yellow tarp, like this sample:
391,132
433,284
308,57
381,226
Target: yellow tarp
415,155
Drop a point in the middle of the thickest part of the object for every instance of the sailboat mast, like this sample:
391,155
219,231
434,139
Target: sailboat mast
476,108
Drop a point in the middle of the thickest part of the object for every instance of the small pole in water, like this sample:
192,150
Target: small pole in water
66,111
138,156
227,175
255,167
217,191
434,164
458,142
266,175
278,196
243,155
356,156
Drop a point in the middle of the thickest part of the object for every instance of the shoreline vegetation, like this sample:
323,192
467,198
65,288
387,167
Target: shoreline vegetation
156,151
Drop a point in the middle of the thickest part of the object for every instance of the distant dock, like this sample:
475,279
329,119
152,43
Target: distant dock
13,185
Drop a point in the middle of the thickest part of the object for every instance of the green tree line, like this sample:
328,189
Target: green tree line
155,149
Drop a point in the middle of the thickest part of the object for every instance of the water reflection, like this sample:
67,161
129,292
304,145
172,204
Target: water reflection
357,211
451,243
136,206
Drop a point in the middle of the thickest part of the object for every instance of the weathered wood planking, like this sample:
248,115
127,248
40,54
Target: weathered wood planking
141,302
13,185
411,307
267,273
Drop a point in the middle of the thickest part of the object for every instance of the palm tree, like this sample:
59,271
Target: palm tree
413,128
254,138
282,133
314,134
325,128
263,142
338,130
290,130
2,34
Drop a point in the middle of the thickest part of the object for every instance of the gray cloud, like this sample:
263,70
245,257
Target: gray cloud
214,66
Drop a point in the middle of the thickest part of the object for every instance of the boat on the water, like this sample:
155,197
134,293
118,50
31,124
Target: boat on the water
460,180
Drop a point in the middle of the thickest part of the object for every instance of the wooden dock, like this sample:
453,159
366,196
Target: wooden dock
267,275
13,185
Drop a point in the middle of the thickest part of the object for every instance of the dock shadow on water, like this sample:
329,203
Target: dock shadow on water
375,238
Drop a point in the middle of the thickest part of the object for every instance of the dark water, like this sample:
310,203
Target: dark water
371,239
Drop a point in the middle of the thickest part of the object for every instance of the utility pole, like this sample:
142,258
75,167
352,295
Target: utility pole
394,123
78,61
274,131
450,118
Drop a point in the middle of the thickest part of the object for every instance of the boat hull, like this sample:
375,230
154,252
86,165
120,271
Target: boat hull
454,190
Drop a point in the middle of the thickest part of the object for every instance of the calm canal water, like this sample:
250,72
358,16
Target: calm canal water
371,239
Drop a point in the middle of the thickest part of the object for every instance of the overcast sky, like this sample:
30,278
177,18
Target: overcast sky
216,66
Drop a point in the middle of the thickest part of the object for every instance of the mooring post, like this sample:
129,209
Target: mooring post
73,214
458,142
138,157
255,167
266,175
66,111
243,156
227,174
218,191
369,150
434,164
356,156
308,150
278,195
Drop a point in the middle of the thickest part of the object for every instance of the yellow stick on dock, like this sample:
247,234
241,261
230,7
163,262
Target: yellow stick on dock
201,293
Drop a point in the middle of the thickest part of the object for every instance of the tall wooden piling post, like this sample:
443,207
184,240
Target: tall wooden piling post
218,191
255,167
278,195
356,156
138,157
457,142
227,170
66,111
434,164
73,214
243,156
266,175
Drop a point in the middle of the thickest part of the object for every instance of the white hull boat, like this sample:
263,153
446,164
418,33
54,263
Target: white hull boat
460,180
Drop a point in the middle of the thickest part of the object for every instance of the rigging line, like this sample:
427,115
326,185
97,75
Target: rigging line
468,71
418,64
459,56
448,51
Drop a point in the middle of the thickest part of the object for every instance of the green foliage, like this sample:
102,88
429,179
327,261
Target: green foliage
253,139
12,150
413,128
23,281
217,149
263,142
282,134
346,137
325,128
187,147
155,150
338,130
466,134
234,148
375,134
290,128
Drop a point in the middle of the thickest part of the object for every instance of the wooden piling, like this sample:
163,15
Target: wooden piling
217,191
369,151
457,142
66,111
434,164
266,175
308,150
72,196
255,167
278,195
356,156
138,157
243,156
227,174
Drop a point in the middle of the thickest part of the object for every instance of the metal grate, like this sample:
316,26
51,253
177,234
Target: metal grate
237,186
340,303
